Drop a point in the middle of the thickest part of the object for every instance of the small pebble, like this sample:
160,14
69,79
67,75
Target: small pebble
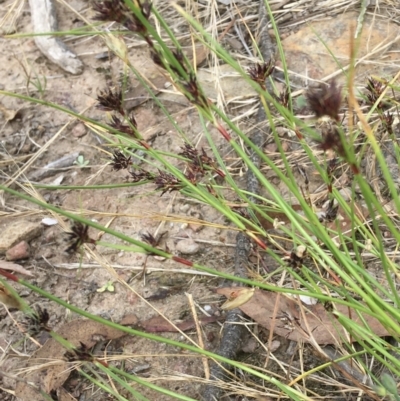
196,227
187,247
274,345
48,221
184,208
250,345
18,252
19,231
79,130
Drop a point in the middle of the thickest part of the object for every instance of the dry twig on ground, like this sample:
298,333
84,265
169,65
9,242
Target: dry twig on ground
233,329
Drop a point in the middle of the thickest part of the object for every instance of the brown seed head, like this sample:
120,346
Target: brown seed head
331,139
80,353
110,101
283,98
387,121
38,321
120,161
149,239
118,11
141,175
325,100
167,182
375,89
260,72
119,125
194,93
78,236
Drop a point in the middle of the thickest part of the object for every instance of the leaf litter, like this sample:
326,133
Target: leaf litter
49,370
283,315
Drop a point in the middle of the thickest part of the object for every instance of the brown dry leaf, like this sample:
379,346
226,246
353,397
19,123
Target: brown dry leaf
344,223
14,267
238,297
275,215
53,376
288,320
158,324
63,395
8,299
8,114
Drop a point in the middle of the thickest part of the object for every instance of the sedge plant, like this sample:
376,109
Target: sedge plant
331,267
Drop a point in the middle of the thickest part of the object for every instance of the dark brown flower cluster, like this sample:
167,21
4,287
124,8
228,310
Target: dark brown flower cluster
331,211
194,93
155,241
37,322
78,236
375,89
387,121
179,66
141,175
297,257
325,100
120,161
186,79
129,129
260,72
166,182
330,170
118,11
331,139
80,353
110,100
199,162
283,98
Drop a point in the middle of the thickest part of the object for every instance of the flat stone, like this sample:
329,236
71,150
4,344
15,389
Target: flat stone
307,51
196,227
13,233
19,251
79,130
187,247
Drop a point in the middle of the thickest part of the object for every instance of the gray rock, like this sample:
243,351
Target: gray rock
187,247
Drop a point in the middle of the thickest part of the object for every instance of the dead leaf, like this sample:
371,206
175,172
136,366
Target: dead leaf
288,320
158,324
63,395
14,267
345,223
238,297
279,217
8,114
8,299
342,223
51,377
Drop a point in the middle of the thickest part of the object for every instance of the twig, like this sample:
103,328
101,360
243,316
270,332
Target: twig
199,334
54,166
44,21
233,329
